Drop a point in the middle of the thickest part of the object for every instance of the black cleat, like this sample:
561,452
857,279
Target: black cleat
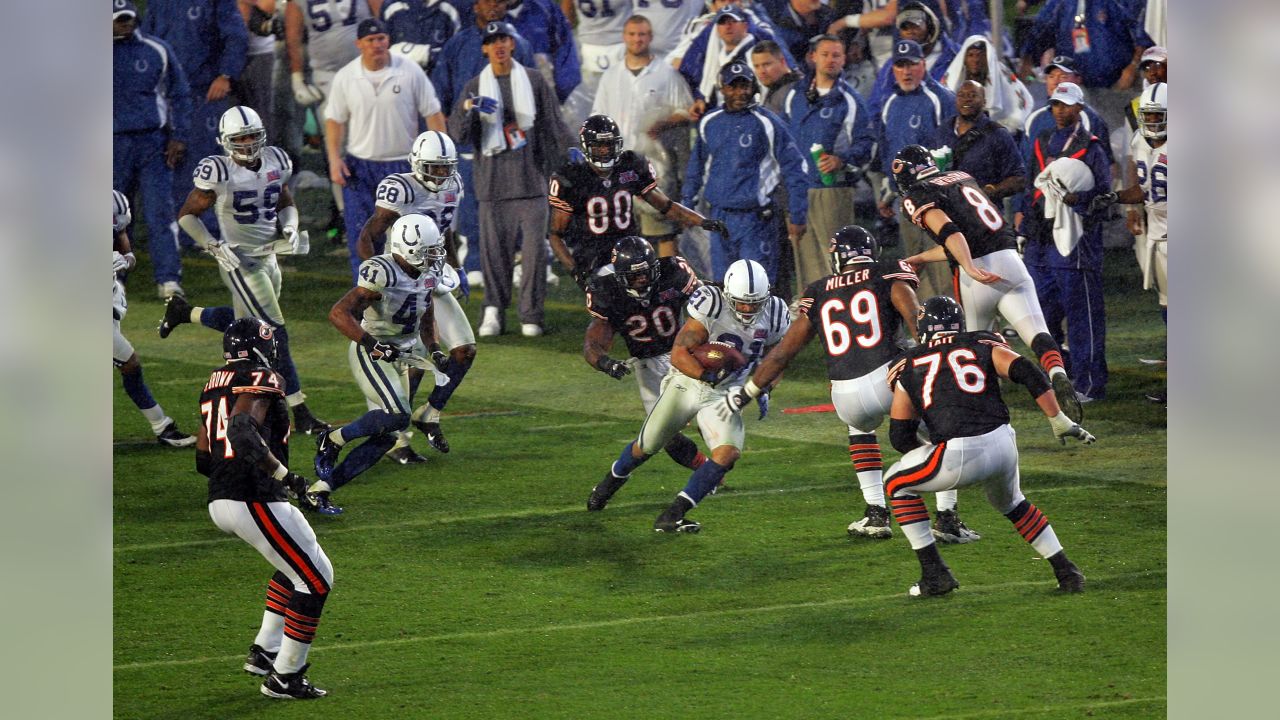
1068,401
1070,579
406,456
434,435
933,584
874,523
259,661
305,422
601,493
949,528
176,312
173,437
291,686
669,522
1160,397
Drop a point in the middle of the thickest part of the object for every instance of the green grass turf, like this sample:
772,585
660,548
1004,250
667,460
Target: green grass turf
478,586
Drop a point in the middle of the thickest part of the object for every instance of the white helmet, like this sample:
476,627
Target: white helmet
417,239
241,134
434,160
1155,100
746,287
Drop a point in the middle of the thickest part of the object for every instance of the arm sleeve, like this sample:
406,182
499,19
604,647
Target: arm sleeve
246,438
335,106
902,434
235,40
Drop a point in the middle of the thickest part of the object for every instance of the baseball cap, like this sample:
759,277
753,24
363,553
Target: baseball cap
730,12
1066,63
912,15
496,30
907,50
120,8
370,26
735,71
1068,93
1155,53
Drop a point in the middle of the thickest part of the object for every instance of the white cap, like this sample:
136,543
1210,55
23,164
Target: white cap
1068,93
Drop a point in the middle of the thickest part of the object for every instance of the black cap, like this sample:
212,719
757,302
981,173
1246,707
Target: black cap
496,30
370,26
1063,62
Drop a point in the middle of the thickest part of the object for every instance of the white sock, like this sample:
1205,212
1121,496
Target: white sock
271,632
1056,371
335,436
918,534
293,655
872,484
1047,543
319,486
295,399
155,415
402,440
946,500
195,314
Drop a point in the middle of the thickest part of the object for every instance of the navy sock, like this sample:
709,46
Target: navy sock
361,458
284,362
217,318
455,371
626,464
682,450
136,388
1164,314
415,379
704,480
374,422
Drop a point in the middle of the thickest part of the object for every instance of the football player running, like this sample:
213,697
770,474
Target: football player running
387,313
122,354
591,202
857,311
952,382
745,315
249,192
640,296
432,188
972,235
243,449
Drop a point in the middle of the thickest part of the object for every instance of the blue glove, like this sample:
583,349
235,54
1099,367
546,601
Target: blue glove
464,286
486,105
763,400
577,157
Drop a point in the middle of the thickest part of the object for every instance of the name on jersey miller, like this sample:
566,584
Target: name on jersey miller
835,282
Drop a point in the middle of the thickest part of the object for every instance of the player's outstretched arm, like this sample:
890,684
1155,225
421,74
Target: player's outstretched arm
346,313
769,372
595,349
691,335
681,214
906,303
559,224
953,239
1017,368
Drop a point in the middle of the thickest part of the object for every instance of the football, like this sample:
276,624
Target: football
716,355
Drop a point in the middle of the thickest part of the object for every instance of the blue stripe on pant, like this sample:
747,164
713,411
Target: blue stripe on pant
1075,296
358,197
138,161
751,237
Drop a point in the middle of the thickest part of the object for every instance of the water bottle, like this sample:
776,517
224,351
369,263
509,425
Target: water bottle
815,152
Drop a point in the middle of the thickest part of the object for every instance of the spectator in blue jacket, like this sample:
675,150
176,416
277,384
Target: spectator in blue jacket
727,39
544,25
1107,40
1059,70
1070,286
801,21
151,105
741,154
212,44
823,111
912,113
918,23
420,28
980,146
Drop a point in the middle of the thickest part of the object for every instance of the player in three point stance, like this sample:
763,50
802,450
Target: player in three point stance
249,192
857,311
432,188
591,202
243,448
639,296
952,382
122,354
744,315
972,235
387,313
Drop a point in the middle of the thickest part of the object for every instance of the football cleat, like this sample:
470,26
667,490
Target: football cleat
948,528
601,493
259,661
292,686
406,456
934,584
176,312
326,456
305,422
319,502
1068,399
669,522
1070,579
434,435
173,437
874,523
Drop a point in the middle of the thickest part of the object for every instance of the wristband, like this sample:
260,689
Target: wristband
948,230
853,21
602,363
367,342
281,472
752,389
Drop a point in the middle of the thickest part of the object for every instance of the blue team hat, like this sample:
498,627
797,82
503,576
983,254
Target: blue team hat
730,12
735,71
907,50
370,26
496,30
122,7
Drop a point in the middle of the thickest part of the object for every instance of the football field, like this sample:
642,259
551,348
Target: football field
477,585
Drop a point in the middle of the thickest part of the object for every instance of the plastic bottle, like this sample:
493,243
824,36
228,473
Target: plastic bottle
815,152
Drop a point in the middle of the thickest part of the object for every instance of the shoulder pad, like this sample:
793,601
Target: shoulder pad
376,273
706,302
211,172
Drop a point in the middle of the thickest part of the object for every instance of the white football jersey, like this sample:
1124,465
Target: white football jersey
1153,171
708,306
601,23
403,194
331,31
121,216
395,317
246,205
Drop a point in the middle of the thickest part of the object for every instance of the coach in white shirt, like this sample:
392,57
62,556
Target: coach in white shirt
376,103
647,98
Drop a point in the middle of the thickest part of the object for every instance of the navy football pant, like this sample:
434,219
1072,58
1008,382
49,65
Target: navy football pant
138,163
358,197
1075,296
751,237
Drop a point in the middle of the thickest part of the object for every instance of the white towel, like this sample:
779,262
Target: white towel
717,58
492,140
1008,100
1062,176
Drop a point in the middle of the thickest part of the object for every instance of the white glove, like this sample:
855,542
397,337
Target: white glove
304,93
1064,428
420,54
121,263
299,242
226,257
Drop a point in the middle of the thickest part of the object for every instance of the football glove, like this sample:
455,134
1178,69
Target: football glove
385,351
420,55
226,257
613,368
439,358
486,105
714,226
121,263
1064,428
763,401
734,400
299,242
295,485
304,93
580,276
1102,202
577,157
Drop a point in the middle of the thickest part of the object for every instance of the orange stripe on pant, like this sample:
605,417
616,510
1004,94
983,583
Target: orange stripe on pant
915,477
282,545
